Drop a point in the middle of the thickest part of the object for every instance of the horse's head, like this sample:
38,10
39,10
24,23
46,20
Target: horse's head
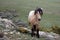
39,13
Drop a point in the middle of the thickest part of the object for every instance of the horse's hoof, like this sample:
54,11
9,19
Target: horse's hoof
38,36
31,35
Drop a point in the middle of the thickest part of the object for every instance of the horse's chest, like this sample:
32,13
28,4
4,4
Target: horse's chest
32,18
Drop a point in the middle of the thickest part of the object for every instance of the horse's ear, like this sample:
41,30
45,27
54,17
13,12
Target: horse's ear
41,8
35,12
41,11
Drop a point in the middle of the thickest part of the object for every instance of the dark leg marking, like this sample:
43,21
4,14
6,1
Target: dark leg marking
37,33
32,32
34,27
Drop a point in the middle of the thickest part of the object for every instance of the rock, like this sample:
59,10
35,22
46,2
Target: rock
9,14
1,38
48,36
11,33
22,29
21,23
1,13
5,33
1,34
18,33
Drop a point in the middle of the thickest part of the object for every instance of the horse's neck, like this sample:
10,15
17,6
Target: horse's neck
36,18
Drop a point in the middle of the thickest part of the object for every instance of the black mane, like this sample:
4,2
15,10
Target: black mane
39,10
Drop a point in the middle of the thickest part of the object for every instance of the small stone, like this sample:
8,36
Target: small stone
1,35
5,33
11,33
19,38
25,38
18,33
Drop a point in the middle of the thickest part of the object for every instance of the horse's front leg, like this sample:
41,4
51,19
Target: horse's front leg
37,33
32,32
33,29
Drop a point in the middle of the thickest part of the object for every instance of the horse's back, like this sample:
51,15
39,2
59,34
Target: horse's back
31,13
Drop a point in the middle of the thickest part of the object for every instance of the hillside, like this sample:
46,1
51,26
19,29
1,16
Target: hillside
51,9
51,15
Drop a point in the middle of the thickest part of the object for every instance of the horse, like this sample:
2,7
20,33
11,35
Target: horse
33,18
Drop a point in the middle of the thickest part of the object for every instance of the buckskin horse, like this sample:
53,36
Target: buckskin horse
33,18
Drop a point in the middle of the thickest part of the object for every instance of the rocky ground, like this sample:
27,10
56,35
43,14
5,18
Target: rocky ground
16,35
17,29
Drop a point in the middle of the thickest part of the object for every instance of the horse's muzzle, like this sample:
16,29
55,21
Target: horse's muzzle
39,19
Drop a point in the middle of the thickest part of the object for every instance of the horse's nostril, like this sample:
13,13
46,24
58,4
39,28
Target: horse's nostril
39,19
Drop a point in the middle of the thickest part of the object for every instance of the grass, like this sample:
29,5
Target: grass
51,9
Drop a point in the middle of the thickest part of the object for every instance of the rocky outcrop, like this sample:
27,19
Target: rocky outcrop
46,35
9,14
15,28
20,23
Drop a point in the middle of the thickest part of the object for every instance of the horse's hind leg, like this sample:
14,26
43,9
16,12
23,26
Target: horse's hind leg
37,33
